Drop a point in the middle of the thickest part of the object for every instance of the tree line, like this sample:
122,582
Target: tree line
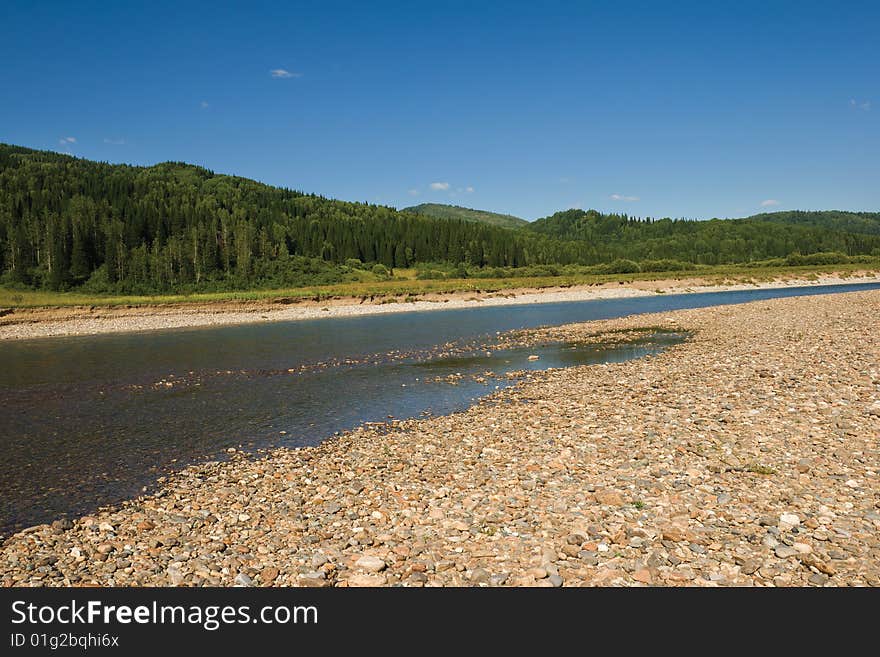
67,222
608,237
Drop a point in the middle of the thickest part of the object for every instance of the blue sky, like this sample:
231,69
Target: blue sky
663,109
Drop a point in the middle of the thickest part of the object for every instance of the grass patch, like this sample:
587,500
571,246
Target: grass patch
761,469
404,284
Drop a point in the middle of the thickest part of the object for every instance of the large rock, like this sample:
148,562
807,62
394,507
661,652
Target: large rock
370,563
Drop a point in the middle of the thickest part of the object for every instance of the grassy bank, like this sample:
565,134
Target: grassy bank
404,284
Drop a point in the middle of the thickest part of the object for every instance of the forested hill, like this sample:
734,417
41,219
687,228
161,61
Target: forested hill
67,222
710,242
441,211
850,222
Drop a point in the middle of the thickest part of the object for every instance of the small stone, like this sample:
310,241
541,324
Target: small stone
537,573
360,580
268,575
750,566
314,574
609,498
818,579
370,563
106,527
570,550
175,575
589,558
479,576
784,551
555,580
812,561
243,580
145,526
673,533
788,521
643,575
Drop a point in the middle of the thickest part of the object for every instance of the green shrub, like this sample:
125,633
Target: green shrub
622,266
430,275
829,258
665,265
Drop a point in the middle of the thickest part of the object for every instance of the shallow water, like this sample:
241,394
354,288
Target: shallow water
91,420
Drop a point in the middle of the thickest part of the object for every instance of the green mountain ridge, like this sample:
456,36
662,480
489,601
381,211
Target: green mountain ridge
71,223
443,211
67,222
714,241
842,220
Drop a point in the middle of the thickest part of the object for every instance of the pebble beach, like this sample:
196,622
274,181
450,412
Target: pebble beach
749,455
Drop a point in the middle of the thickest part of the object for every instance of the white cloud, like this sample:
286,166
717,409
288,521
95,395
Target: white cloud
469,189
283,73
114,142
67,140
769,203
439,186
622,197
863,105
413,192
204,104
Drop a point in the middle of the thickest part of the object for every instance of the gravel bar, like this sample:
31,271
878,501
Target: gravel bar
749,455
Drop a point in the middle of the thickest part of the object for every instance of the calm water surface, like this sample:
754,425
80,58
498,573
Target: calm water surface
90,420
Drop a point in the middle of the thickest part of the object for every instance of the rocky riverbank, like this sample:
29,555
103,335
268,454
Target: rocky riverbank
28,323
749,455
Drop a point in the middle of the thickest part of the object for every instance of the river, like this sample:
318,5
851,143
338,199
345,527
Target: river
91,420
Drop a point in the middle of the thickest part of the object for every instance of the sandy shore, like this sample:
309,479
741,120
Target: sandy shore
749,455
54,322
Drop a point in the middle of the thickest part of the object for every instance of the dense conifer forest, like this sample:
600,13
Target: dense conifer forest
443,211
69,223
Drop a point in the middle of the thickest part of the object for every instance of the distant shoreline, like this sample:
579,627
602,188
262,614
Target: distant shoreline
29,323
